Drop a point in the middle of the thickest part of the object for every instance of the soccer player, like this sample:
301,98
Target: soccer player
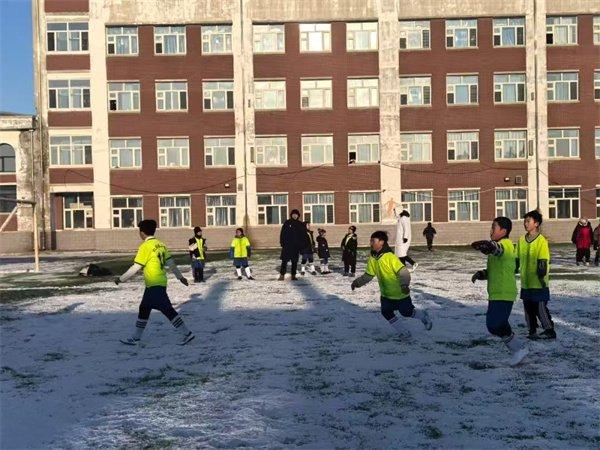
153,256
501,285
197,248
533,262
240,251
394,281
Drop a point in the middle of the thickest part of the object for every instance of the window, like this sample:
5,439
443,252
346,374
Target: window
78,210
510,144
70,150
220,210
315,94
563,143
511,203
561,30
67,37
315,37
363,93
363,148
8,191
361,36
127,212
317,150
419,204
509,87
461,33
216,39
463,146
597,201
462,89
123,96
217,95
169,40
563,202
415,147
125,153
597,142
415,91
596,30
122,40
272,209
414,35
175,211
364,207
171,96
509,32
318,208
270,150
173,153
219,152
596,85
7,158
269,94
69,94
269,38
463,205
563,86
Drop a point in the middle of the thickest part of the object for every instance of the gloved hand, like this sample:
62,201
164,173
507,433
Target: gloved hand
117,281
404,240
405,289
184,281
354,285
485,247
479,275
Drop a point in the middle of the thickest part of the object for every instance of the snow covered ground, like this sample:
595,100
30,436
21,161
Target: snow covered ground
308,365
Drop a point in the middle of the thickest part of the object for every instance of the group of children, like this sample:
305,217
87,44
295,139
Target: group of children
530,257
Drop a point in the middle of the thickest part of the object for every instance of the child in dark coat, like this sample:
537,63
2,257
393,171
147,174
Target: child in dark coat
349,246
307,252
323,251
429,233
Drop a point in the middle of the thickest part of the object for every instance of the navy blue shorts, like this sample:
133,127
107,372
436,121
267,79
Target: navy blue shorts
536,295
197,264
240,262
405,307
156,297
497,316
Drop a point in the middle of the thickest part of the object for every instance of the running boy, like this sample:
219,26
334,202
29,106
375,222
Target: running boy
323,251
240,251
197,248
307,252
349,245
394,280
501,285
153,256
533,262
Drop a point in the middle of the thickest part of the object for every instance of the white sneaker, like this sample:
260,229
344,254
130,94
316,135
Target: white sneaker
518,356
187,338
130,341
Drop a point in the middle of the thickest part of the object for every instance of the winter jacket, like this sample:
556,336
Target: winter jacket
429,232
292,238
323,247
597,237
349,245
403,233
197,247
582,236
309,243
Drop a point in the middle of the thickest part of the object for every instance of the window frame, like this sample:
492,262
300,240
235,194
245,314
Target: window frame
260,92
70,92
572,139
307,208
131,38
270,27
262,209
182,151
326,93
500,204
405,147
68,31
451,29
160,39
113,95
553,202
209,151
499,87
551,26
173,93
56,149
211,210
208,92
597,85
352,92
497,29
417,28
207,32
352,34
260,145
163,211
551,86
305,36
597,142
451,145
5,158
375,207
362,139
451,89
117,211
502,142
405,90
88,211
464,200
407,204
307,150
596,29
5,206
115,152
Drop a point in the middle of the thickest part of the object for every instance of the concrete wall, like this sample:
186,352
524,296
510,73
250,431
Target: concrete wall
15,242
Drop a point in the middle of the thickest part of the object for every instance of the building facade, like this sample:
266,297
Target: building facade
232,113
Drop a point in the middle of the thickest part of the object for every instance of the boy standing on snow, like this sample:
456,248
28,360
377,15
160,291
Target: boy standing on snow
307,252
240,251
197,248
349,245
153,256
323,251
501,285
394,281
533,262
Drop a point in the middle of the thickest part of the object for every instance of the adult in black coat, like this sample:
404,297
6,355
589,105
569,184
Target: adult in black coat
291,239
349,247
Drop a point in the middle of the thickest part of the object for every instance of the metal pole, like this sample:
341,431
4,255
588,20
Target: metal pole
36,254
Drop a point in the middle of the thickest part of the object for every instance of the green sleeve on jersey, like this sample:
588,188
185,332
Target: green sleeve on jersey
544,251
142,255
396,265
370,267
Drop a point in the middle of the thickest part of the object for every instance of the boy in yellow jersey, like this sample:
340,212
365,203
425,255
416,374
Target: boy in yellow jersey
533,262
501,285
240,251
394,281
153,257
197,248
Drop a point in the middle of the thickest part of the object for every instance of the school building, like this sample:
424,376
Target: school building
234,112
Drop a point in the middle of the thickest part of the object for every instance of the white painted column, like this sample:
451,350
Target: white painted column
537,105
99,101
389,106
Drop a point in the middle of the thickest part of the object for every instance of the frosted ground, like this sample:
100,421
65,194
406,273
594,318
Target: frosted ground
308,365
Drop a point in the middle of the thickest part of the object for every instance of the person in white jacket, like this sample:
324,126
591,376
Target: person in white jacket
403,238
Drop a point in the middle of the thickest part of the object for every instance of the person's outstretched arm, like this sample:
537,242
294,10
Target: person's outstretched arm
364,279
135,268
170,263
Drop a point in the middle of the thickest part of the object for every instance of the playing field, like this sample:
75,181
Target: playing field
286,365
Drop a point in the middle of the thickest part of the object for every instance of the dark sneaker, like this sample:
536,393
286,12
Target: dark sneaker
281,278
533,336
240,277
130,341
548,334
251,278
345,274
187,338
294,278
